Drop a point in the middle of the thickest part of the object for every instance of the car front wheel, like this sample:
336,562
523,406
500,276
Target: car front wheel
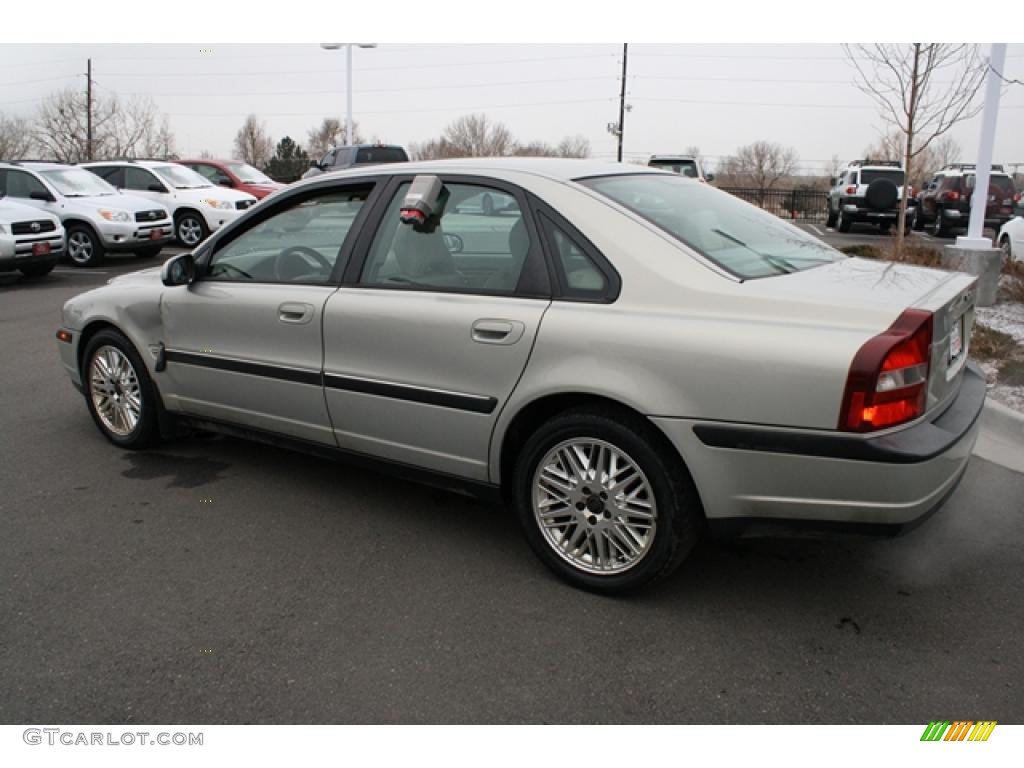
190,229
84,248
120,395
603,502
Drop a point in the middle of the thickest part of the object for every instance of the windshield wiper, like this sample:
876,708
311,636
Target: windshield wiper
779,263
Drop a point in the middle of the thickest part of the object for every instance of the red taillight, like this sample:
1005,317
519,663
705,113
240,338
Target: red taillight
1016,198
951,194
888,379
851,190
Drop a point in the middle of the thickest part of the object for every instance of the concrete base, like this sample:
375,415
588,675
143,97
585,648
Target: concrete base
984,262
1001,439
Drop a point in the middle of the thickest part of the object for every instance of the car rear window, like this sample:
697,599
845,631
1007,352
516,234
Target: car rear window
895,176
683,167
738,237
381,155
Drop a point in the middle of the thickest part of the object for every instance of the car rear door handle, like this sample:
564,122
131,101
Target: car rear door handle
492,331
295,313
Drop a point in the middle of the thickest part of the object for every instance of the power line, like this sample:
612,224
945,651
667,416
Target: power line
473,107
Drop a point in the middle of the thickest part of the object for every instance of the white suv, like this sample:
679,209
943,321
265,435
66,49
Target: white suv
866,191
685,165
96,217
198,206
30,241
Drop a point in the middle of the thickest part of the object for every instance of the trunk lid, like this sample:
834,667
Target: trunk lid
873,294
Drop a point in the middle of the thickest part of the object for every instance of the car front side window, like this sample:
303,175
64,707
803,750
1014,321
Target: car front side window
298,244
21,185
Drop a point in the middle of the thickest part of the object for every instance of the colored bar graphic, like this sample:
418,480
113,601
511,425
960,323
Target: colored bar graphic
958,730
935,730
982,730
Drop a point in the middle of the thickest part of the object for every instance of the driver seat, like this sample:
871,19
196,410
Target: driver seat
423,257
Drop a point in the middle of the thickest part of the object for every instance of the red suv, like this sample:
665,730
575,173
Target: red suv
945,203
234,174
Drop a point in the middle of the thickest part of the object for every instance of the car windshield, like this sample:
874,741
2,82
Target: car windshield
895,176
77,182
684,167
180,177
737,236
248,174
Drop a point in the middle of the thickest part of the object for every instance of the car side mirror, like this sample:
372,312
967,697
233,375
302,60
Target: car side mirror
225,183
709,177
155,188
46,197
178,270
832,181
314,164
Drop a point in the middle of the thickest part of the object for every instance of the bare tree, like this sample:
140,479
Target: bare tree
330,133
207,155
161,142
476,136
923,90
61,125
15,138
924,164
574,146
761,164
253,144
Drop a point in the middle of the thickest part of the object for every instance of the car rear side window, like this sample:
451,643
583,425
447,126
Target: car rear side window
138,178
579,276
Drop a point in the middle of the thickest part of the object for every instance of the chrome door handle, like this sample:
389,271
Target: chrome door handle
295,313
493,331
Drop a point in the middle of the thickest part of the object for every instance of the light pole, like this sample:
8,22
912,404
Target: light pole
348,80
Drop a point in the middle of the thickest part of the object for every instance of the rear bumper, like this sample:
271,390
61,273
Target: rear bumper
864,213
749,475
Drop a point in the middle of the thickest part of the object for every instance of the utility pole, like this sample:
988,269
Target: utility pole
622,98
88,110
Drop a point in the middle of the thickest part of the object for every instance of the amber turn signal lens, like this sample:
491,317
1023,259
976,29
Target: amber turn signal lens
64,336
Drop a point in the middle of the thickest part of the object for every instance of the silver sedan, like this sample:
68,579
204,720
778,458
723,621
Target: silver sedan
630,357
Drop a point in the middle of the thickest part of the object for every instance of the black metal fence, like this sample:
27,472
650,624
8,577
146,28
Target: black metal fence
802,204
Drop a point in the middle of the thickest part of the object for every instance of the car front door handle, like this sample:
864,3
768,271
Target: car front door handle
295,313
493,331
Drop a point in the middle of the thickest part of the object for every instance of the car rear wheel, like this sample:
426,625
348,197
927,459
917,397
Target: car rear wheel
602,504
844,222
84,248
939,228
830,219
120,395
917,220
190,229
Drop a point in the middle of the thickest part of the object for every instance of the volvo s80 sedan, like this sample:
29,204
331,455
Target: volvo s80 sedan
630,357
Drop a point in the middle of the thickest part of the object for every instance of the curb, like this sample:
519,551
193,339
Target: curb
1001,439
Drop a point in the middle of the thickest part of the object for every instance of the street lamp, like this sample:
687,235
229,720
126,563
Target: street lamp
348,80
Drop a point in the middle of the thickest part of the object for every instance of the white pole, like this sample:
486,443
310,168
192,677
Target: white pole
983,169
348,94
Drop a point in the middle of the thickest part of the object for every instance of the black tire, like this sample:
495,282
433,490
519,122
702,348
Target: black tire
146,431
917,220
36,270
939,228
190,228
149,253
679,517
844,222
84,247
831,218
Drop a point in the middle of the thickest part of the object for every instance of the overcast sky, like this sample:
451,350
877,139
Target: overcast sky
714,96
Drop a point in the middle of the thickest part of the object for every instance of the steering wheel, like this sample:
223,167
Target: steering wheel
299,255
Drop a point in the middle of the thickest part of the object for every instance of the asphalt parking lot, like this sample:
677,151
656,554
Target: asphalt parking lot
218,581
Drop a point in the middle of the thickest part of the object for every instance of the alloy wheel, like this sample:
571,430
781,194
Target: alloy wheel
80,247
190,231
595,506
115,391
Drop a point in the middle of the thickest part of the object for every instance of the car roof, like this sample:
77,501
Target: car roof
672,157
34,165
555,168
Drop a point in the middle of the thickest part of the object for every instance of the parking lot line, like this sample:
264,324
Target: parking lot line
820,233
58,270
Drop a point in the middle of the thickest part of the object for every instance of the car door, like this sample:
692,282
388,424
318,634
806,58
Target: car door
144,183
426,339
243,342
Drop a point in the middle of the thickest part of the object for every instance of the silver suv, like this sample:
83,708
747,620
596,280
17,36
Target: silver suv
97,218
866,191
685,165
30,241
